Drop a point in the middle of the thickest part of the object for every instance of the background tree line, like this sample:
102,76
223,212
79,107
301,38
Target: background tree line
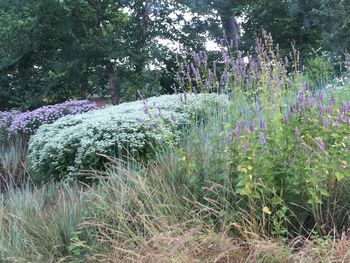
52,50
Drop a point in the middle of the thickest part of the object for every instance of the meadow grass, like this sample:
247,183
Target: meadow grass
181,207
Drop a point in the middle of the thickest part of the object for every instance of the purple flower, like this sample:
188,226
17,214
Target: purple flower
312,102
251,126
238,130
28,122
224,77
320,144
321,108
194,70
263,138
320,96
340,118
287,116
228,138
325,123
262,124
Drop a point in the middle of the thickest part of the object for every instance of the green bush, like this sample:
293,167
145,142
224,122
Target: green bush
137,129
319,71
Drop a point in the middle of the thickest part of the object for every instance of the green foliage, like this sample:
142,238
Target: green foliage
319,71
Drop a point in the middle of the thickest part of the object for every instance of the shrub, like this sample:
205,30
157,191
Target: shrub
27,123
138,128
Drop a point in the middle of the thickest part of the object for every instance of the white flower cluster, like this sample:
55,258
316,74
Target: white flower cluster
138,128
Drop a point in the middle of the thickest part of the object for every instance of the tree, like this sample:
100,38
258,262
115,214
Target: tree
65,49
52,50
221,16
287,21
333,17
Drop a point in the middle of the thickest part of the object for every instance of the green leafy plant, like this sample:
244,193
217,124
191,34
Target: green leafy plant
319,71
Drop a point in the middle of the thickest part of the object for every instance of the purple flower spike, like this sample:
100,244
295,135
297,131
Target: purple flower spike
262,124
263,138
238,130
320,96
224,77
340,118
321,108
312,102
302,105
251,126
228,139
325,123
320,144
194,70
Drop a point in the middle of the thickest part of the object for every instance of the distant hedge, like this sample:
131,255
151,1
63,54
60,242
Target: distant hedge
139,128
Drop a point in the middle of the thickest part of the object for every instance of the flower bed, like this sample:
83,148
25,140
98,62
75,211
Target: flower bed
14,123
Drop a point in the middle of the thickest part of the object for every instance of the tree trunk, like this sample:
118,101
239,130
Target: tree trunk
146,17
231,30
112,82
84,86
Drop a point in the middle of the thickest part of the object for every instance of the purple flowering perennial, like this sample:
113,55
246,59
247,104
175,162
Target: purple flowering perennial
320,144
28,122
263,138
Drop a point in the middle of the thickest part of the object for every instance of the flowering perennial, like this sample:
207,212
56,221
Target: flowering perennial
26,123
138,128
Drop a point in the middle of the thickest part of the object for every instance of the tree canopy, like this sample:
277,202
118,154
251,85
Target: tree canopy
53,50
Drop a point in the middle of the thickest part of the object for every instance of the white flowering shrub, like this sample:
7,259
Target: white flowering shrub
139,128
